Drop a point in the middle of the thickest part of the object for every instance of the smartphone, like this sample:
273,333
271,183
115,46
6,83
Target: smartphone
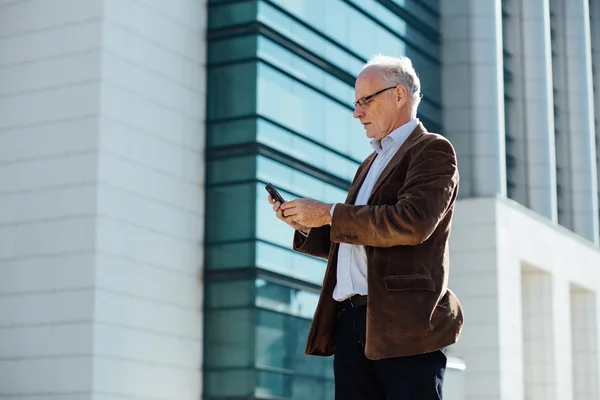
274,193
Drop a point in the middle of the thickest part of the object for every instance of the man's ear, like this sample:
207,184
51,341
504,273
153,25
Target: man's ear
401,95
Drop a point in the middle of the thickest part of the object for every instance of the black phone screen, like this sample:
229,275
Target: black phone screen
274,193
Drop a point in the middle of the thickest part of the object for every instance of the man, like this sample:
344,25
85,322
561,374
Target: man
385,311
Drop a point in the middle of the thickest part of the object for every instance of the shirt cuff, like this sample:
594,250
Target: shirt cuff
331,211
305,234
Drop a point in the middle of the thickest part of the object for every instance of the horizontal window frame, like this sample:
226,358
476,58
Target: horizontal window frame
257,117
254,148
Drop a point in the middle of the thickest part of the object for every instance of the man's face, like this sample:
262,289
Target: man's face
380,114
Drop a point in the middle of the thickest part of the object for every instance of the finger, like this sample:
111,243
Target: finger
279,214
288,204
281,217
276,206
288,220
271,200
290,212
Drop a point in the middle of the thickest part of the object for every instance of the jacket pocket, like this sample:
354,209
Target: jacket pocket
398,283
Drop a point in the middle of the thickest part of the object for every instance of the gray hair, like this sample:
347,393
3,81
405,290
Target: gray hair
399,71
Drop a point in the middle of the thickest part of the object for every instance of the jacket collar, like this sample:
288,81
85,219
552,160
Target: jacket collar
360,178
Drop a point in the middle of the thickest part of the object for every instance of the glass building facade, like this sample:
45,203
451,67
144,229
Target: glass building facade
280,77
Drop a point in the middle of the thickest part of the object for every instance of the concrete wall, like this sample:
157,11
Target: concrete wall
525,285
101,198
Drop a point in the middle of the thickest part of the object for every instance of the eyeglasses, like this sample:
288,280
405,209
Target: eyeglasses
363,101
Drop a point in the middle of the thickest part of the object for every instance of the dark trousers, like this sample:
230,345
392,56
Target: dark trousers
418,377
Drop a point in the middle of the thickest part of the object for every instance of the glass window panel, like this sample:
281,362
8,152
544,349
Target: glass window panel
430,79
353,65
306,10
275,54
229,334
421,38
230,294
231,132
307,112
273,385
271,171
341,90
273,136
233,169
269,227
337,27
384,40
225,84
294,183
280,344
306,38
238,383
360,40
431,6
223,15
231,215
305,388
288,262
430,111
341,166
293,387
305,150
304,70
227,256
382,14
287,300
232,49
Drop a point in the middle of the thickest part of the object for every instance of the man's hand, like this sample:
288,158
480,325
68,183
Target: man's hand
307,212
287,220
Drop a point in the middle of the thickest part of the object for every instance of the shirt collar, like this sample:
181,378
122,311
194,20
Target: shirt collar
395,138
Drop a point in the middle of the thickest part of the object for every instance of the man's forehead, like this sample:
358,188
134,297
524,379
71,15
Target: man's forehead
368,79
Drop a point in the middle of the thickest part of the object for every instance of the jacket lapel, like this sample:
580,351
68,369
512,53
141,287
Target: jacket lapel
362,174
412,138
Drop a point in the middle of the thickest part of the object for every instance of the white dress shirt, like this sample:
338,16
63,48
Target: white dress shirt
352,259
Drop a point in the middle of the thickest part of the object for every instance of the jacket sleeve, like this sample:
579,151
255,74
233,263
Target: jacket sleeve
428,192
316,243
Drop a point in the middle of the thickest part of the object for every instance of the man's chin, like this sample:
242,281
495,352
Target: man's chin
371,135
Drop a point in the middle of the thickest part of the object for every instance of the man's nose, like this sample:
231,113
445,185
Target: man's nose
358,112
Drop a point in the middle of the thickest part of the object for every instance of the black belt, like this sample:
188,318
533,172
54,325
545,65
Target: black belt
355,301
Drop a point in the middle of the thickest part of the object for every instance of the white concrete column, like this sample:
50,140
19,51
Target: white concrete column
576,147
473,94
562,383
539,106
595,39
538,335
584,344
515,113
530,112
101,199
511,321
486,278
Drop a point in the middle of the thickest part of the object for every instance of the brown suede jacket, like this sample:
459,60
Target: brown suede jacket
405,228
